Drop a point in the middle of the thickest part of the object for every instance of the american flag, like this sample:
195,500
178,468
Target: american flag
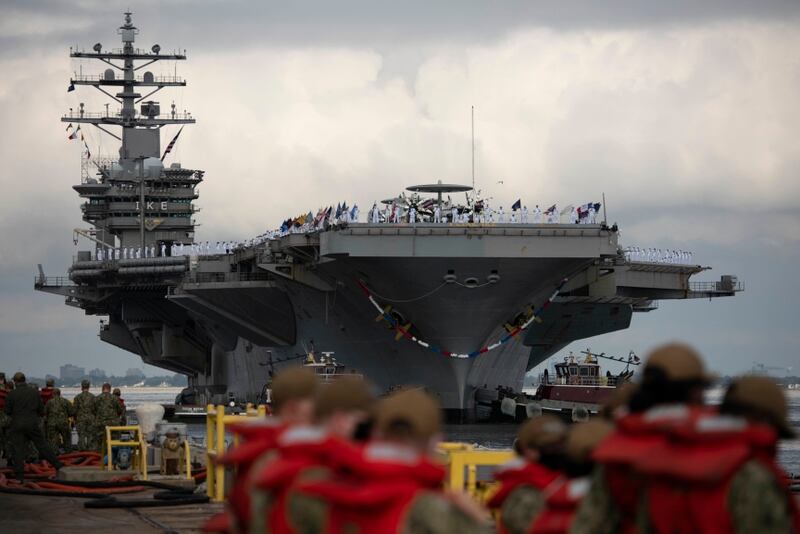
171,144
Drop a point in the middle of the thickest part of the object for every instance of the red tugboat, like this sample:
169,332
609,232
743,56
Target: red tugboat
580,383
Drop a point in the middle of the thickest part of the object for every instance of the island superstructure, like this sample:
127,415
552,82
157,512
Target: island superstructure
441,305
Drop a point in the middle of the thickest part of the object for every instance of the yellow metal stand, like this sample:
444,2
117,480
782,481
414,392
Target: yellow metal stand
137,443
463,461
216,420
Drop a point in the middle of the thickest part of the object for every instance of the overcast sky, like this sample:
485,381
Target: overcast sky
684,114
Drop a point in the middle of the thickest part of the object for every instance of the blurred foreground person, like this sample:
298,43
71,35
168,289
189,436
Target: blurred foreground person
670,395
564,495
293,393
718,474
24,407
310,453
520,498
395,485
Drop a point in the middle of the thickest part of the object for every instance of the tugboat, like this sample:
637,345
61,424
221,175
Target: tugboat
580,383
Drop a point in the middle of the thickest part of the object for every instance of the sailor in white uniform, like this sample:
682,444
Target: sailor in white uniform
592,215
524,214
355,213
437,214
501,215
454,215
412,215
163,249
537,214
513,216
573,216
553,217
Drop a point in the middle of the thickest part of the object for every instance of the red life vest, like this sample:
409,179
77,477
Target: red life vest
259,438
689,475
300,449
636,435
3,395
563,497
46,394
380,487
516,473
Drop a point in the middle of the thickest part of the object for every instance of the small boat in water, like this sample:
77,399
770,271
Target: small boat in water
580,382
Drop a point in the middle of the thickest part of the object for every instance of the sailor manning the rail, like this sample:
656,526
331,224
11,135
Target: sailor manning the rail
412,215
501,215
437,214
573,216
524,214
537,214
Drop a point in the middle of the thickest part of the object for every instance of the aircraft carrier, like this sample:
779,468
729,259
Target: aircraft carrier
455,307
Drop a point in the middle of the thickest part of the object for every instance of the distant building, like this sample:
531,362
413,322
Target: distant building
71,373
97,374
134,372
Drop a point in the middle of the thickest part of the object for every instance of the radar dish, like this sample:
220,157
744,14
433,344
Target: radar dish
439,188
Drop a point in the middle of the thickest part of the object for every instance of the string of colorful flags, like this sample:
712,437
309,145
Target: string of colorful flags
78,134
405,331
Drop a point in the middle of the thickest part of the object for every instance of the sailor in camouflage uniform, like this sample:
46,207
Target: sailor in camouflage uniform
107,413
57,412
85,416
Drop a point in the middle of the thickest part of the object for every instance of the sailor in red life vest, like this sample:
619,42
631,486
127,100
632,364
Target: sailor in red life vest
124,417
293,392
395,484
310,453
520,498
563,495
718,475
670,394
46,393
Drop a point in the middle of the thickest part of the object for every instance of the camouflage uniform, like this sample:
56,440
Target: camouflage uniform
756,501
430,513
108,410
433,513
597,513
520,509
57,413
84,410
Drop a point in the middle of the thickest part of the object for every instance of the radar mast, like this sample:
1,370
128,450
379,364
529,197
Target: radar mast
136,202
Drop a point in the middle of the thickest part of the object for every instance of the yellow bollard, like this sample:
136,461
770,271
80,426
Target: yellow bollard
220,469
210,451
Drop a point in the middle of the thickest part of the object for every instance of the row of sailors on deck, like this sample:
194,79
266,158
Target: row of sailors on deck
394,214
657,255
205,248
334,459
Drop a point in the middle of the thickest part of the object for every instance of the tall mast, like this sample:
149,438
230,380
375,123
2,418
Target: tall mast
472,116
136,199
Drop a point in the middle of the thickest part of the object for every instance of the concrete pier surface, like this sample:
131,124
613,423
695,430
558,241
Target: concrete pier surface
27,514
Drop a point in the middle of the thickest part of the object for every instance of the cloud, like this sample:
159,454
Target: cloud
689,129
